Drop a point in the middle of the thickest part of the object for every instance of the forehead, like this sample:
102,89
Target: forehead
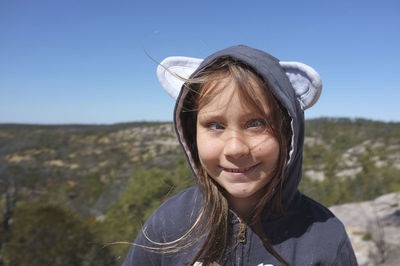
227,93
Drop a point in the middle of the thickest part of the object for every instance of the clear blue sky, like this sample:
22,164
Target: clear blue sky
82,61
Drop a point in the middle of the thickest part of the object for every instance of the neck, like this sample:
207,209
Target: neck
244,207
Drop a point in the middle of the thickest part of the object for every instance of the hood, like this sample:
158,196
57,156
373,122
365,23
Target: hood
295,85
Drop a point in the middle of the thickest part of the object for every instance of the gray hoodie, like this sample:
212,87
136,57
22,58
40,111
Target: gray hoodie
307,234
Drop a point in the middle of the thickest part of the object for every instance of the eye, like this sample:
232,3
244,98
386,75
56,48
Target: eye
215,126
256,123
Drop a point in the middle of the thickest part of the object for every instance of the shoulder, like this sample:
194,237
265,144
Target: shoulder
183,203
306,221
313,208
185,198
168,223
305,213
325,233
320,219
175,216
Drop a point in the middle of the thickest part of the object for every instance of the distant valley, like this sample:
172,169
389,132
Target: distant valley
89,172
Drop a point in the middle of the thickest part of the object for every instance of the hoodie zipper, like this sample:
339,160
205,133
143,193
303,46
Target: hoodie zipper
241,240
242,233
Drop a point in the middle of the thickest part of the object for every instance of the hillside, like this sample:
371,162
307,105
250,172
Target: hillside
110,177
350,160
84,167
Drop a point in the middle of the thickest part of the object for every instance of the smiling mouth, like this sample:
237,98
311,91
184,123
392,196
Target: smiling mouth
239,170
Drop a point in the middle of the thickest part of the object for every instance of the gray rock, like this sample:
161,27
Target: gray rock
374,229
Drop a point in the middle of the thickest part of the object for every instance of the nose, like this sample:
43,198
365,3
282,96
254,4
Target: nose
236,146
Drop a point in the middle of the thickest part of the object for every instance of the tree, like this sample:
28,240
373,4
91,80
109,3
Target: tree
147,190
51,235
9,187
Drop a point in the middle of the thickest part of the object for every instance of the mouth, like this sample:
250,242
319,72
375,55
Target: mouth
239,170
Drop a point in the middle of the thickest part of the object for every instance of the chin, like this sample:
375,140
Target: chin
241,193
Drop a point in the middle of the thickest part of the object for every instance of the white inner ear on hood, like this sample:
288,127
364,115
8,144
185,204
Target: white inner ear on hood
173,67
304,79
306,82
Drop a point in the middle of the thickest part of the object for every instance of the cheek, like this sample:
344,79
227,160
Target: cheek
268,151
208,151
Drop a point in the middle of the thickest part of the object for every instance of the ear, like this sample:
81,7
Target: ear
306,82
171,71
304,79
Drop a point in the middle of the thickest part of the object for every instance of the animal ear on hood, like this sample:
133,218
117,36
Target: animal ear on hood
171,71
304,79
306,82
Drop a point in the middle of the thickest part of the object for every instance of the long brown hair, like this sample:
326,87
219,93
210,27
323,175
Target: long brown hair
254,92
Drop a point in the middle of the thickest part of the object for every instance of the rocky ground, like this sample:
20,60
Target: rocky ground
374,229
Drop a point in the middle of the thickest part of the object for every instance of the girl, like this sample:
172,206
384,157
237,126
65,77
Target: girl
239,118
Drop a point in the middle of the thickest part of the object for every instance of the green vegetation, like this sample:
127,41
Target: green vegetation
368,151
69,193
147,190
50,235
365,186
367,236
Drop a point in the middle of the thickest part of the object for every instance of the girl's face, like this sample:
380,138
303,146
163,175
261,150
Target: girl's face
235,145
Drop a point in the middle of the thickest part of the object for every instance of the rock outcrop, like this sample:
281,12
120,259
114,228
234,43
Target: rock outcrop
374,229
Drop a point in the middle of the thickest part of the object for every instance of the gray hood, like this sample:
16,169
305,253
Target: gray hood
286,81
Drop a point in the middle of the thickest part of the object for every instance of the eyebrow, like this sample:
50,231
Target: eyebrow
210,116
221,116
